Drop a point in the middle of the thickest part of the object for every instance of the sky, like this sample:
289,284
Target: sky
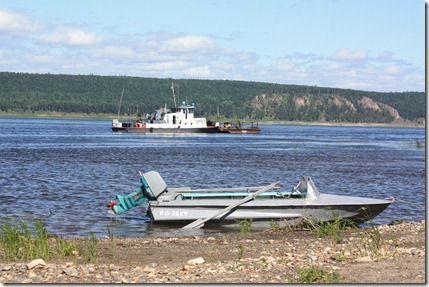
371,45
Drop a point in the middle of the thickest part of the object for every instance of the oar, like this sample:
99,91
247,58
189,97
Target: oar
200,222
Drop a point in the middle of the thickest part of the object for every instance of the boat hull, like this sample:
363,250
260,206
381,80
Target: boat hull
164,130
241,131
356,209
238,128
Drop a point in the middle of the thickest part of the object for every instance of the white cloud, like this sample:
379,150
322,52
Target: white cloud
392,70
301,56
187,44
385,56
75,50
199,72
245,58
361,71
167,67
286,66
16,22
348,55
68,36
115,52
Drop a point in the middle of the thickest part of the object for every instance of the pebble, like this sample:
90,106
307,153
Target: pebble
364,259
275,262
70,271
36,263
196,261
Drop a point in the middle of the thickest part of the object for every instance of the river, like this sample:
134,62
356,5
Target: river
66,171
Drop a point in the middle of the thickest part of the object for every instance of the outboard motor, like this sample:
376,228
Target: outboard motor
152,186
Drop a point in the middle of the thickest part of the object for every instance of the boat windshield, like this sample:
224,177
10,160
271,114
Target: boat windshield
307,189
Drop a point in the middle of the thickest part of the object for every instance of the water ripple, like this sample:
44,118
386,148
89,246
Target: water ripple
65,171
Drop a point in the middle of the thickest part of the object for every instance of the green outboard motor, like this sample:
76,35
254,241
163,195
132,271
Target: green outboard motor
152,186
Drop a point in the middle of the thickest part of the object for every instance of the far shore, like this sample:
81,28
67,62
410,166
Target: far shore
59,115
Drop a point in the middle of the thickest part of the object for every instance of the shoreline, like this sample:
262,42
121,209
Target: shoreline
270,256
57,115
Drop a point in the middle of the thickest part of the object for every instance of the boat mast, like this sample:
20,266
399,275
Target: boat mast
174,96
120,101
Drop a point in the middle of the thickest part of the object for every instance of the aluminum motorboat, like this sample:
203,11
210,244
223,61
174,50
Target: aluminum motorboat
194,207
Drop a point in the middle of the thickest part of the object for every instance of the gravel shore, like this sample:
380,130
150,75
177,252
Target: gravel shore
393,253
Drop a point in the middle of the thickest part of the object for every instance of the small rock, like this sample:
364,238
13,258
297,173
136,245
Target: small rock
196,261
221,269
289,255
137,269
70,271
113,267
6,268
37,262
313,258
364,259
396,221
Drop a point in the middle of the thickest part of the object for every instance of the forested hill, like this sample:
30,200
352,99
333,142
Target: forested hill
229,99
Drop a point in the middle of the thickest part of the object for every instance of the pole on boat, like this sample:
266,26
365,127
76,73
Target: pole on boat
174,95
200,222
120,101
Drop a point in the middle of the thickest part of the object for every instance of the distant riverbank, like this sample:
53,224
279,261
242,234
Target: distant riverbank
28,114
345,124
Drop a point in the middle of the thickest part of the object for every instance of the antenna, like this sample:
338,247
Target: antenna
174,96
120,101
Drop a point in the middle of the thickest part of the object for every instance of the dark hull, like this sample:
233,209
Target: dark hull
240,131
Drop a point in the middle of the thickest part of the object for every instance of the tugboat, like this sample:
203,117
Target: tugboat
179,119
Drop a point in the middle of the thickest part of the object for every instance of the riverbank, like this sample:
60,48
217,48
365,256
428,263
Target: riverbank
58,115
392,253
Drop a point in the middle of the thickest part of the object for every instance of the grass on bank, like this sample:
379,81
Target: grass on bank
315,274
369,240
29,239
23,240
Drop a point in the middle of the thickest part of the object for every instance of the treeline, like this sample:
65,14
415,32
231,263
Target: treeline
227,99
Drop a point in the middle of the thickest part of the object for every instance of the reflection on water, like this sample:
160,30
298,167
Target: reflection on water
66,171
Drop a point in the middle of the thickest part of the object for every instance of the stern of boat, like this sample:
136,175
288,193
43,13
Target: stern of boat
152,186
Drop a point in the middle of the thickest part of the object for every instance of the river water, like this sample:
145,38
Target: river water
66,171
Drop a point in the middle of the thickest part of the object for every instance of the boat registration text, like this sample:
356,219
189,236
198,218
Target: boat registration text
175,213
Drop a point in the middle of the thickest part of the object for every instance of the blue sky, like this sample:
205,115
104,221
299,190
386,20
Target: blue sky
373,45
